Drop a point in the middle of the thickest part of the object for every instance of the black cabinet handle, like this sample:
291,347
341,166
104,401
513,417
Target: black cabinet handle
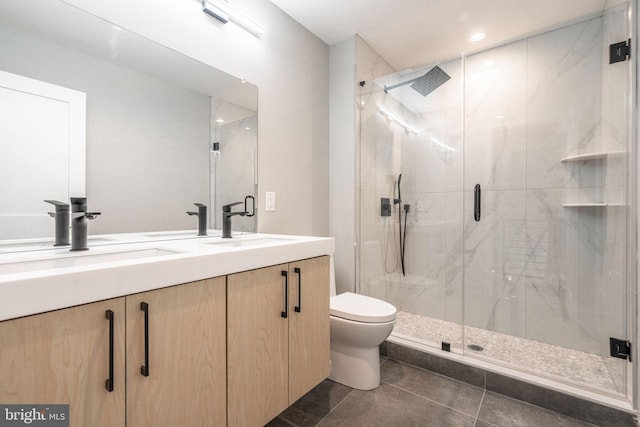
285,313
109,382
476,203
144,370
297,308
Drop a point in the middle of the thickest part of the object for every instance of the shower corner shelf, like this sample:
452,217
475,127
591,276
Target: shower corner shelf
593,156
592,205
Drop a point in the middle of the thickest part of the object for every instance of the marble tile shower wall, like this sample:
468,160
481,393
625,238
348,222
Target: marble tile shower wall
531,267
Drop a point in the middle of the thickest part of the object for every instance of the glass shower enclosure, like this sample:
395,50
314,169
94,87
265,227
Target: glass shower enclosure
493,192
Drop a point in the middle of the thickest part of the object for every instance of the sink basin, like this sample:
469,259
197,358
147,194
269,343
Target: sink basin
41,244
73,260
173,234
261,241
178,235
26,244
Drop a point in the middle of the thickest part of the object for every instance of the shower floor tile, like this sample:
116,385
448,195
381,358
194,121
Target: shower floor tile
576,367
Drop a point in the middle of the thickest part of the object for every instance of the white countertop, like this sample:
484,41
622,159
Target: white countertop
34,280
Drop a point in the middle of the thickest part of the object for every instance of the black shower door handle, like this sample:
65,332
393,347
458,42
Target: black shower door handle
476,203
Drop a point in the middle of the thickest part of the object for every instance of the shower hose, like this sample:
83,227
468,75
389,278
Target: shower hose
402,231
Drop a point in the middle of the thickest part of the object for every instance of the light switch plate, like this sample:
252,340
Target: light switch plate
270,201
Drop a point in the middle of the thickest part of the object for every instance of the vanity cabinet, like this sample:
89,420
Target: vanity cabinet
177,376
63,357
277,338
234,350
309,327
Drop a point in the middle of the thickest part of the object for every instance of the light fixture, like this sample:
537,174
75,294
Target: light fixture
219,120
477,37
399,120
215,10
224,13
246,23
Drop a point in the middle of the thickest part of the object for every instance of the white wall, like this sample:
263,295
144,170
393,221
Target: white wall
289,65
342,182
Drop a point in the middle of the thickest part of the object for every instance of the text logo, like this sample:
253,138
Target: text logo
34,415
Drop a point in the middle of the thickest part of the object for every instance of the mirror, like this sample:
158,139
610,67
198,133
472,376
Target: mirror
152,118
49,120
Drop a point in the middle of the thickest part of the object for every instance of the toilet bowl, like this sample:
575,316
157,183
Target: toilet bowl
358,325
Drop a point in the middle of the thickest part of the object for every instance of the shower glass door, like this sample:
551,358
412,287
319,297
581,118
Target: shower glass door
493,209
546,145
411,200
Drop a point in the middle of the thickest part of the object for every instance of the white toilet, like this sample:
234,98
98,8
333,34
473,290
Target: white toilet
359,324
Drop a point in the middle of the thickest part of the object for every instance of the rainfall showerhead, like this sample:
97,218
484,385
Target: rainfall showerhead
430,81
426,84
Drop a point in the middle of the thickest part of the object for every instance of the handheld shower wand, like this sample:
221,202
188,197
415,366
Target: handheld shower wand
401,232
398,201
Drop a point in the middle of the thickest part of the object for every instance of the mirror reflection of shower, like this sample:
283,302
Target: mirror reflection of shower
234,137
214,165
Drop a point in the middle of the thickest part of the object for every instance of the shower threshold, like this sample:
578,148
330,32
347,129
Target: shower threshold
580,369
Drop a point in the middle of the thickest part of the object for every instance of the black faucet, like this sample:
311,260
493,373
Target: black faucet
227,214
202,218
79,218
61,216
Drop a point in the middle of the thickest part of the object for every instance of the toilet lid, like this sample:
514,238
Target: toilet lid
362,308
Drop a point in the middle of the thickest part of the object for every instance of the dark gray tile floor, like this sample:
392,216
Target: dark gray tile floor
410,396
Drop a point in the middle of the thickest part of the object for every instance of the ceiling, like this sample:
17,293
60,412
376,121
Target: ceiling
407,33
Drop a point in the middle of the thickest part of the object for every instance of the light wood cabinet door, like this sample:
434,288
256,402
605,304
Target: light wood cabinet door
308,325
257,346
63,357
186,382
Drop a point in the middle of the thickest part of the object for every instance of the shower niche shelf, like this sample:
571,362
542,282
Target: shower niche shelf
593,156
